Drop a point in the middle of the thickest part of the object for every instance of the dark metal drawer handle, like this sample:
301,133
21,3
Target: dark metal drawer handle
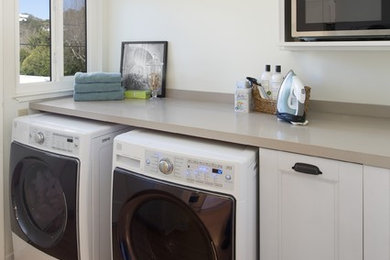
307,168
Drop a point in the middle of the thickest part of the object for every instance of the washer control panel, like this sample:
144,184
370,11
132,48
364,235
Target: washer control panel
190,170
56,141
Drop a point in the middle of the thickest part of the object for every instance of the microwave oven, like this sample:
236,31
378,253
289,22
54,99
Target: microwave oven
340,19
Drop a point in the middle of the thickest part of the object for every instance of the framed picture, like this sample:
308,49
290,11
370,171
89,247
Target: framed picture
135,64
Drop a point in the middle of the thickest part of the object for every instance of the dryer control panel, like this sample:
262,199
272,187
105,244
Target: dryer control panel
190,170
55,141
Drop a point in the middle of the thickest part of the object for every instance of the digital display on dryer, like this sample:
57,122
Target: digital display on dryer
216,171
65,143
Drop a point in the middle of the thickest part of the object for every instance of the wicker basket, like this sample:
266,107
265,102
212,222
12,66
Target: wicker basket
269,106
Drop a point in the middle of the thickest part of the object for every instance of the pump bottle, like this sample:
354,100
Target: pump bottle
276,81
265,79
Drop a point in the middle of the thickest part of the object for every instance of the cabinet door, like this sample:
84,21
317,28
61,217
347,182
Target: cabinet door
307,217
376,213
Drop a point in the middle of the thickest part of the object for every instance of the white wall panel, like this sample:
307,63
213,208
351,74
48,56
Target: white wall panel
214,43
2,246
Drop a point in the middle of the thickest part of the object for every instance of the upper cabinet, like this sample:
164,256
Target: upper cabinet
376,213
329,24
310,208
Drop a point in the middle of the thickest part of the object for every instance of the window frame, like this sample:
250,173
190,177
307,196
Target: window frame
60,85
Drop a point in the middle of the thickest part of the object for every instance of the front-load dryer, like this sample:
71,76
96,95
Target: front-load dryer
177,198
60,179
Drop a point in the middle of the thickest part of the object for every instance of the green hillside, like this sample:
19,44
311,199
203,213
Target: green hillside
35,46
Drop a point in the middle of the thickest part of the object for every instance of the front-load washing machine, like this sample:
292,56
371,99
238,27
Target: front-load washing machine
177,198
60,183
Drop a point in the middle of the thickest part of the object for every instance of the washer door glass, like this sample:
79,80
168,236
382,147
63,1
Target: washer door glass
157,225
39,202
45,199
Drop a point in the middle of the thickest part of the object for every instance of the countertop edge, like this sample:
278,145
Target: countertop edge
306,149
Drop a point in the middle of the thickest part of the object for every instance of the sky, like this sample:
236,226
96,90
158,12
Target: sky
38,8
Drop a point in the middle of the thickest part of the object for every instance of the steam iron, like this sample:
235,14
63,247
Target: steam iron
291,100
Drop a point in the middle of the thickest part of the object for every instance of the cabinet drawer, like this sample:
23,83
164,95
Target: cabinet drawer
328,168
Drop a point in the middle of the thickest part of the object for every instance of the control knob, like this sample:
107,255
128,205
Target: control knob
39,138
165,166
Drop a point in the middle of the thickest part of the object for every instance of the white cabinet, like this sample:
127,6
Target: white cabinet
305,216
376,213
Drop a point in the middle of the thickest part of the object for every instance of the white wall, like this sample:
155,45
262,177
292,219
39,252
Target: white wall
2,247
213,43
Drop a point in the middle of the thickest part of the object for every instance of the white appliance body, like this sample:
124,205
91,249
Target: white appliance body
183,165
89,144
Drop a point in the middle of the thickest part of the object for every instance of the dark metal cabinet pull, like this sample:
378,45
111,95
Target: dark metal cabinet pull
306,168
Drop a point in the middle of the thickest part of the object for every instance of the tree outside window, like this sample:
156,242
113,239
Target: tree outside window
36,41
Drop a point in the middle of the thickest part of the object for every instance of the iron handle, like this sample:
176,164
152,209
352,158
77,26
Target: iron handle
306,168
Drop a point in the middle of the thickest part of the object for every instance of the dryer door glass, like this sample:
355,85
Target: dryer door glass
159,226
155,219
39,202
43,197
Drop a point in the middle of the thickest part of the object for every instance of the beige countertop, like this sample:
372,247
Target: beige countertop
359,139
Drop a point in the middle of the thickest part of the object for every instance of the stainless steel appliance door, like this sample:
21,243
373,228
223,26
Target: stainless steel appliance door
327,18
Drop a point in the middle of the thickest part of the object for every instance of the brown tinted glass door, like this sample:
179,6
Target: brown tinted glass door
43,200
159,220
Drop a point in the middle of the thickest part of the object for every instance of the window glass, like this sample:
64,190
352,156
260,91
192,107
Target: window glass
74,37
38,43
35,43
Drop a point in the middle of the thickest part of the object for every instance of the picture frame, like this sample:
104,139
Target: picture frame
135,56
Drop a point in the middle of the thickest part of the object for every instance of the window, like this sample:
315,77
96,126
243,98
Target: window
75,51
52,38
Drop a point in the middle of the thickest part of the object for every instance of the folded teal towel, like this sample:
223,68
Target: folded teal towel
99,96
96,87
97,77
